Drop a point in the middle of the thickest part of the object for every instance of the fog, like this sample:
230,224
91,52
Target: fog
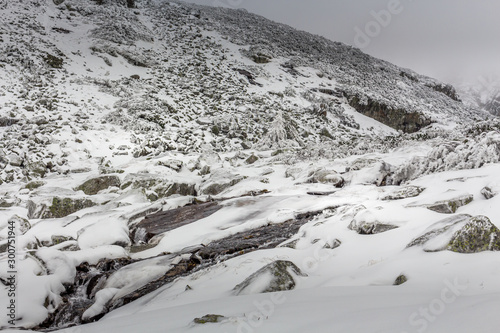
452,40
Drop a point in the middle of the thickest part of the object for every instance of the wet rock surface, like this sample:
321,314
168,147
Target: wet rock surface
161,222
80,296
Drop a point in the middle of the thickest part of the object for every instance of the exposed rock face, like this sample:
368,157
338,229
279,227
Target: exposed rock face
478,235
161,222
446,89
408,122
451,206
277,276
57,207
404,193
93,186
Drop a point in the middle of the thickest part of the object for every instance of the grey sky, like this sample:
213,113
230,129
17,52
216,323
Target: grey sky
446,39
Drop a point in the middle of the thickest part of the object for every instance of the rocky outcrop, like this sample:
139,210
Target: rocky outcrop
446,89
399,119
274,277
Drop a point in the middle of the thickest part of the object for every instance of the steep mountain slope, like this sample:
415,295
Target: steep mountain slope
171,159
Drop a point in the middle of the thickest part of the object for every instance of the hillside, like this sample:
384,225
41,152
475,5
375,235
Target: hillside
162,161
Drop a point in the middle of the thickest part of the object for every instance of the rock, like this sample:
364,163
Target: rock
461,233
57,239
39,120
326,177
23,224
437,236
451,206
38,168
274,277
15,160
34,185
161,222
405,192
399,119
252,159
155,187
4,121
333,244
400,280
478,235
209,318
366,223
94,185
488,193
172,164
219,181
290,244
56,207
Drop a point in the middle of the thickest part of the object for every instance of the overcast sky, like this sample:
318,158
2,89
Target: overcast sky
446,39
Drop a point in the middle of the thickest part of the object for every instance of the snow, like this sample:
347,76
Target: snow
98,127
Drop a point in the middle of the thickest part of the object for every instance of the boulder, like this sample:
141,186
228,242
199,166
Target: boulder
274,277
175,165
324,176
209,318
462,233
56,207
94,185
478,235
400,280
156,187
219,181
22,224
488,193
366,223
451,206
438,235
404,193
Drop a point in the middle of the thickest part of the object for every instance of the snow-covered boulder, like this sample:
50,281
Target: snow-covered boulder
94,185
276,276
461,233
45,207
478,235
367,223
219,181
405,192
325,176
488,193
450,206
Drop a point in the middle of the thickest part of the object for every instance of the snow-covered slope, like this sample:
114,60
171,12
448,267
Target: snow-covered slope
168,161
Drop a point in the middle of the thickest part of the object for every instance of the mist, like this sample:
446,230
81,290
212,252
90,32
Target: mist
451,40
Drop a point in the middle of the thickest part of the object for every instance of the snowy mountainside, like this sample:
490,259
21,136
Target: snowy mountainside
162,161
483,94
